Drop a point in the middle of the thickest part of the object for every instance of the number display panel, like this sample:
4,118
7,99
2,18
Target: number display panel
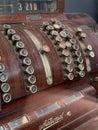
14,6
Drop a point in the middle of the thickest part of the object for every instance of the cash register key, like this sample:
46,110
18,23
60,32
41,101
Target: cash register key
63,34
63,26
65,53
54,33
82,36
70,68
5,87
32,88
6,27
81,67
10,32
68,60
79,30
58,39
23,53
30,70
72,41
45,49
6,97
66,31
68,44
15,38
80,60
75,47
27,61
89,48
82,74
53,20
70,36
32,79
2,67
45,24
92,54
49,28
56,26
78,53
69,76
3,77
61,46
19,45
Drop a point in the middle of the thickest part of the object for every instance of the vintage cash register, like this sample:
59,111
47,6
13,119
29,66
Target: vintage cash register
48,67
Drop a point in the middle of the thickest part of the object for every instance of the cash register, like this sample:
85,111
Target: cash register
48,67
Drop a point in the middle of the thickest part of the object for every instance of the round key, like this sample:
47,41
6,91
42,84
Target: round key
56,26
3,77
63,26
53,20
82,35
68,60
66,31
23,53
32,88
6,97
58,39
15,38
49,27
2,67
63,34
82,74
10,32
45,49
27,61
19,45
65,53
68,44
5,87
79,30
45,24
70,76
69,68
75,47
89,47
92,54
54,33
77,53
80,60
72,41
30,70
62,45
32,79
81,67
70,36
6,27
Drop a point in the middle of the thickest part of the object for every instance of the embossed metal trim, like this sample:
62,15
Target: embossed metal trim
50,108
18,122
48,123
73,98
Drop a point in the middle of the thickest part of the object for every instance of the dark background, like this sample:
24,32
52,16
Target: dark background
85,6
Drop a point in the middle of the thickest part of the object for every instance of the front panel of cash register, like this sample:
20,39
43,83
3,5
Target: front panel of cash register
48,67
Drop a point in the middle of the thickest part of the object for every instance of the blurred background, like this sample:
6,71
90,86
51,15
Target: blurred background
85,6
